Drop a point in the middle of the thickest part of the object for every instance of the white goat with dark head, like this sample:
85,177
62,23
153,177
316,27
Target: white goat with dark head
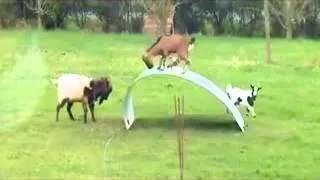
77,88
243,97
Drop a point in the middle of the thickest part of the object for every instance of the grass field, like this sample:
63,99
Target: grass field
281,143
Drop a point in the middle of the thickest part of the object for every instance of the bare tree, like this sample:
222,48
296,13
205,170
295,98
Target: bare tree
162,9
289,13
81,14
40,7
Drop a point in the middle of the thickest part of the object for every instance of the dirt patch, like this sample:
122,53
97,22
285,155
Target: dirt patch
315,63
238,62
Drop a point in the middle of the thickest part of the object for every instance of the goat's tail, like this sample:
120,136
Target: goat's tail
54,81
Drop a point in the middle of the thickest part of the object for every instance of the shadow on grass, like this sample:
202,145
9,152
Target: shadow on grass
200,122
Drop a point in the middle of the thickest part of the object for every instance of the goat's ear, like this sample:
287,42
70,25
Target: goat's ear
251,86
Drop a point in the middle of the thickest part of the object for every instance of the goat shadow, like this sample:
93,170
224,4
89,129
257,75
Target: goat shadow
198,122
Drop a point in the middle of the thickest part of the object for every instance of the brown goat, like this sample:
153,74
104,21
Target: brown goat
166,45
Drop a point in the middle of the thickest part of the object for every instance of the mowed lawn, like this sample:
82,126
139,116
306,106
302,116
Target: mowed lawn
281,143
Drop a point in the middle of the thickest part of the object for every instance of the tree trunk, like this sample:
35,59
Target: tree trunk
39,14
172,26
289,16
172,16
24,11
162,26
289,31
267,31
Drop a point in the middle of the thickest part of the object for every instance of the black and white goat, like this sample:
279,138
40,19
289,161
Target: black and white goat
243,97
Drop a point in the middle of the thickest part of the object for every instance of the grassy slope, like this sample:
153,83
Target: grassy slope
281,142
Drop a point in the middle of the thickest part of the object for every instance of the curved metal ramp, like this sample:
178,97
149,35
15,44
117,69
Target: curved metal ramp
195,78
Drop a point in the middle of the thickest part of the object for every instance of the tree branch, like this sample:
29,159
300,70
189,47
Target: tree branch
29,6
41,10
278,15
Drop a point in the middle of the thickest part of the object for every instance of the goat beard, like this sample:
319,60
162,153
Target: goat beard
99,99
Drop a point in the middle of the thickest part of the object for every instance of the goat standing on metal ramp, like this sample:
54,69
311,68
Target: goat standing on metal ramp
166,45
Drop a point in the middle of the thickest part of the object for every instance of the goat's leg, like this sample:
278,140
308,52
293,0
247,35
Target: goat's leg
159,67
186,65
162,62
85,110
228,111
164,56
247,112
253,113
236,104
185,68
69,106
91,108
174,63
251,110
184,57
59,106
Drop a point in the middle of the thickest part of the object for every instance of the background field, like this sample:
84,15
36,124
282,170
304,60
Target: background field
282,142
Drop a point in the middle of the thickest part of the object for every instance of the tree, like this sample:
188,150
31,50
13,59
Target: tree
40,7
7,13
59,11
267,30
81,12
289,13
162,9
165,9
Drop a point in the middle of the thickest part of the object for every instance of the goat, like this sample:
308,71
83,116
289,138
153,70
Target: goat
243,97
166,45
174,57
72,88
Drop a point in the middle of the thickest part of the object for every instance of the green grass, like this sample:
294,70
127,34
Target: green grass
281,143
